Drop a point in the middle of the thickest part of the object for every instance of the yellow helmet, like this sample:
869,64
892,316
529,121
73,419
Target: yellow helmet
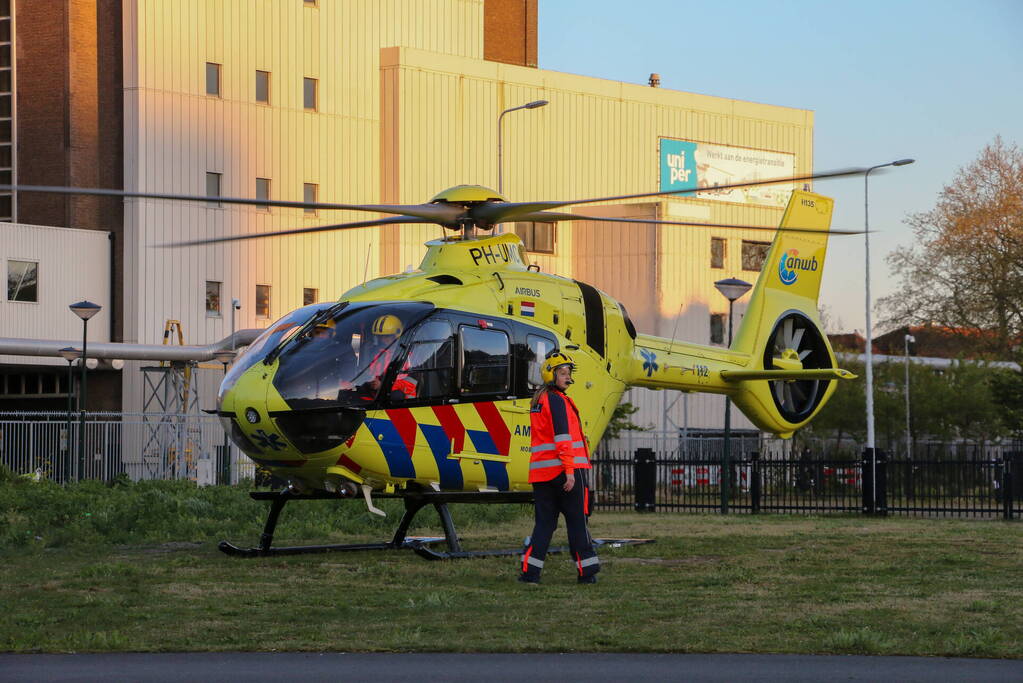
323,326
553,361
387,325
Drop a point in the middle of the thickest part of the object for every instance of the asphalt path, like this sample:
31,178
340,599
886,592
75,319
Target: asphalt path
270,666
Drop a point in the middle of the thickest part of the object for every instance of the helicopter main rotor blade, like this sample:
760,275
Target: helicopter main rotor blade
554,216
438,213
505,211
394,220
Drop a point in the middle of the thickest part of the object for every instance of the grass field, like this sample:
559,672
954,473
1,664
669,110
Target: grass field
92,568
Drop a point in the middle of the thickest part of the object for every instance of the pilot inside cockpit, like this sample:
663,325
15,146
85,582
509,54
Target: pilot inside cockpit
384,339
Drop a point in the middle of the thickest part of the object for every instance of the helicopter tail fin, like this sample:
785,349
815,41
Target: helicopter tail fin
791,364
780,368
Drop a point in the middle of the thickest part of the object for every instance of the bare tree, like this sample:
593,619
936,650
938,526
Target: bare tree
966,268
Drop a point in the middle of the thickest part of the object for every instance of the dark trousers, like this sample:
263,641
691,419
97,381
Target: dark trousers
550,500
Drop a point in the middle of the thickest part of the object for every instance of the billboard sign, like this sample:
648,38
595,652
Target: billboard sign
686,165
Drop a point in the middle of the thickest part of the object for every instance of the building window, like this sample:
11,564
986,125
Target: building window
263,87
213,186
262,301
310,3
212,79
717,328
22,281
309,192
537,237
717,252
310,295
263,191
212,299
309,93
754,254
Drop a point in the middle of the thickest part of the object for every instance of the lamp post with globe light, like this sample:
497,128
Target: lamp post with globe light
84,310
70,354
732,289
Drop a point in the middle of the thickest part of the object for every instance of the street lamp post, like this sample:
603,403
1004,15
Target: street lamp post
732,289
225,357
869,330
70,354
500,166
908,340
84,310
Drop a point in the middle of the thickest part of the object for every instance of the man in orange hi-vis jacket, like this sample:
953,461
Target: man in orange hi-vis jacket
557,465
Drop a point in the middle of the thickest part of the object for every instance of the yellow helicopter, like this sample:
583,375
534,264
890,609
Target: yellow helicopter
418,385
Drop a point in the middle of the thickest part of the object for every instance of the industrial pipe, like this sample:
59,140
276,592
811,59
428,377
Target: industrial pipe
44,347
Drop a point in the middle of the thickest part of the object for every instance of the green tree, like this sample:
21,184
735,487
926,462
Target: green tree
965,267
1007,391
843,417
621,421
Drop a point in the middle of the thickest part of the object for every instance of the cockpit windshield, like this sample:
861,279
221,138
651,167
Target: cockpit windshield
342,360
270,339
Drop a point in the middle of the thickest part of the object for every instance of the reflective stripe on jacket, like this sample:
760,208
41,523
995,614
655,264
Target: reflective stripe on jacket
558,444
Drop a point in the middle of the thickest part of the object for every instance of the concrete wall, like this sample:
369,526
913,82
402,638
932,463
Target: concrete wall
73,265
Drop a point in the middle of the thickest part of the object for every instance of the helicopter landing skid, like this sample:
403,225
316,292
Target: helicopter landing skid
414,502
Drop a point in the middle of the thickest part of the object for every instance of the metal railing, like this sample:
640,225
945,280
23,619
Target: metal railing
137,445
966,483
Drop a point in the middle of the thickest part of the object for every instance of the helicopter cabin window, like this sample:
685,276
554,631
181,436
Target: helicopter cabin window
263,192
309,93
262,301
717,328
212,299
754,254
213,187
429,369
536,237
309,192
263,87
485,361
539,347
310,296
22,281
212,79
717,252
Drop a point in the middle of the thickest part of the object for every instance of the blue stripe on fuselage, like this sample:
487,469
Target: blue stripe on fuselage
399,461
497,474
450,470
483,442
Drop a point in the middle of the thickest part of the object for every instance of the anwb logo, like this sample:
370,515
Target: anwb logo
790,263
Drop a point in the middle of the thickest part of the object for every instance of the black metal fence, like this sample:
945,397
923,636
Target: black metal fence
956,483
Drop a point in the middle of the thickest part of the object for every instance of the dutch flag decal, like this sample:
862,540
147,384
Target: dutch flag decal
527,309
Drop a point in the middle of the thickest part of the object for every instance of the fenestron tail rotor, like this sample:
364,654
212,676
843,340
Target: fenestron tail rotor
796,344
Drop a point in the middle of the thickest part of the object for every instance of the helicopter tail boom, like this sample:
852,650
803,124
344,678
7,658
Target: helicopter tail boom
780,369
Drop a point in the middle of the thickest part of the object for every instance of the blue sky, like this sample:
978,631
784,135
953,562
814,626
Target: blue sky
934,81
